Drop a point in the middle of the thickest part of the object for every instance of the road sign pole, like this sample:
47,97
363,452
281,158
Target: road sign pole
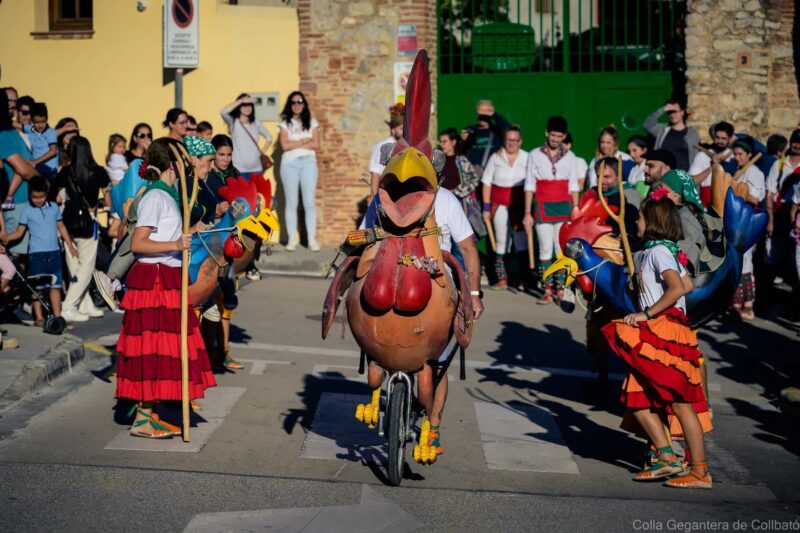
179,88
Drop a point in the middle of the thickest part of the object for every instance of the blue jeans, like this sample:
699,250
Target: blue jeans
300,174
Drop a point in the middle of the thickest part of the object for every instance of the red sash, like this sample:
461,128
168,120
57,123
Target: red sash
553,200
513,198
705,195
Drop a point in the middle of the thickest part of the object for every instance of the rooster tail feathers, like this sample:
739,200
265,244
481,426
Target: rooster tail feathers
744,224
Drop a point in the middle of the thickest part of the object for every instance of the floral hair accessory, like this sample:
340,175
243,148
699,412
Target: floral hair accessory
683,259
143,169
659,193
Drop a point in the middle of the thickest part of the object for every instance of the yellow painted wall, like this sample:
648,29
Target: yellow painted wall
114,80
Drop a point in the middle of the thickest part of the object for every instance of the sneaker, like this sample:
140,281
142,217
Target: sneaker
106,289
546,299
291,247
500,285
314,246
8,205
93,312
253,275
73,315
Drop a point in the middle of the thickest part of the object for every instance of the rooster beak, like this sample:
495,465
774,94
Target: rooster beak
412,163
563,263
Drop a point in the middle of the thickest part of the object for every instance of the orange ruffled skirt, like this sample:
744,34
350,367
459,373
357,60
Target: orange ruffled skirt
664,359
149,364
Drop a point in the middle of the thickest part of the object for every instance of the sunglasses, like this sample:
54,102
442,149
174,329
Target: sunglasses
144,135
297,102
24,112
672,111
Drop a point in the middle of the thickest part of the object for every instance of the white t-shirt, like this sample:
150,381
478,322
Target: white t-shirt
158,210
296,132
582,168
498,172
702,163
650,265
375,156
592,173
448,212
637,173
777,175
541,168
755,182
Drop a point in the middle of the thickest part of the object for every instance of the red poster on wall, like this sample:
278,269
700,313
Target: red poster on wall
407,39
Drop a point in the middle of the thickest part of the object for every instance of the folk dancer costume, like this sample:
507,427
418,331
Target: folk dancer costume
507,205
552,180
149,345
662,352
746,291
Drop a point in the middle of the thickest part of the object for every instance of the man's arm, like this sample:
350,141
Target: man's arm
470,253
651,122
46,156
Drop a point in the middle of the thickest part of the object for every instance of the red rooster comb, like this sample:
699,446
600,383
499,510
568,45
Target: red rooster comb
588,229
239,187
418,107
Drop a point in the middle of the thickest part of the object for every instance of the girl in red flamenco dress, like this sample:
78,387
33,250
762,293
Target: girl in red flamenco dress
660,348
149,364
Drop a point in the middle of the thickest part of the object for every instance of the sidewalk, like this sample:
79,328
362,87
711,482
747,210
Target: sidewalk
301,262
39,359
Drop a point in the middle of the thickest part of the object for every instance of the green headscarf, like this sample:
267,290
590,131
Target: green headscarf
198,147
682,183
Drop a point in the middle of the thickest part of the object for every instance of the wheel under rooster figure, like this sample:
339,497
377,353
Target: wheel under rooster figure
597,259
405,298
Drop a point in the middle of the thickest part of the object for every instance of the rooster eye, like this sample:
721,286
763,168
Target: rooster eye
238,208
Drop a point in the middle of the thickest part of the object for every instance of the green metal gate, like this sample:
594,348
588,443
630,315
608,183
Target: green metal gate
597,62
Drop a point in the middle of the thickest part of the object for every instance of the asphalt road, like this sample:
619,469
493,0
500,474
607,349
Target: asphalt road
531,444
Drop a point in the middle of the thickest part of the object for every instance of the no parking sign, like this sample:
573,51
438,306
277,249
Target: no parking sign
181,39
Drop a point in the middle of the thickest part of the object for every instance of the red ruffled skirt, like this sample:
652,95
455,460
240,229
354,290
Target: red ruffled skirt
664,359
149,345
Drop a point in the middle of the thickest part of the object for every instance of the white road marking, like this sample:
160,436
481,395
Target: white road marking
372,513
260,365
522,437
336,434
217,404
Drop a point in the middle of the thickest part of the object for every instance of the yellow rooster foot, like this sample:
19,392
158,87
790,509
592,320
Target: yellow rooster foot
369,413
429,448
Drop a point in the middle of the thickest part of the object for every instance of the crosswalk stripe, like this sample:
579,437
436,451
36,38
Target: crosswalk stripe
522,437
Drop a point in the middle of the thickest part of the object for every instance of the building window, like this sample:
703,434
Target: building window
70,15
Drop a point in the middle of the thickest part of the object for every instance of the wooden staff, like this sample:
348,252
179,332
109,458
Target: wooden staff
490,233
531,262
620,218
187,211
706,151
745,167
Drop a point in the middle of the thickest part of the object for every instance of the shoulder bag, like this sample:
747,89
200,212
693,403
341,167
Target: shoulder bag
266,161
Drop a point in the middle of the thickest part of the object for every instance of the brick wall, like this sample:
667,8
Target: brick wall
760,99
347,56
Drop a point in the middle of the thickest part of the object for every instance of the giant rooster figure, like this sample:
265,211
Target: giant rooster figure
587,258
406,296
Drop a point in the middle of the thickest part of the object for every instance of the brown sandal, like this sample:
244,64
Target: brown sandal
694,479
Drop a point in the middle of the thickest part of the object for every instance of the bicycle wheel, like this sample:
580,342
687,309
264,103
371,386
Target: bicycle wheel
397,433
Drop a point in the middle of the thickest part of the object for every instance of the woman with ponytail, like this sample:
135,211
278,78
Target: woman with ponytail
149,367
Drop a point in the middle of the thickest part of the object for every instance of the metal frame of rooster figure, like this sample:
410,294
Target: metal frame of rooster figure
407,302
218,255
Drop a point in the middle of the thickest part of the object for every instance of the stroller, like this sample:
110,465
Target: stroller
54,325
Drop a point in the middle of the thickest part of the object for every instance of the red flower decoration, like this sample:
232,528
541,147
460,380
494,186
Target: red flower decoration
659,193
142,169
683,259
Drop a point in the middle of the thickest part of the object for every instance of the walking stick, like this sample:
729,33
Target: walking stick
187,203
490,233
531,262
620,218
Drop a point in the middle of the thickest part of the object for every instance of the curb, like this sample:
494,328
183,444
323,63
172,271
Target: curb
46,368
790,402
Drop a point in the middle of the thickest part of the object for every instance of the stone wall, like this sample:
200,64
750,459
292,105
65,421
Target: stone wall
347,56
761,98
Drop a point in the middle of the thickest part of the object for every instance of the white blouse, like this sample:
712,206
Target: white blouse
498,172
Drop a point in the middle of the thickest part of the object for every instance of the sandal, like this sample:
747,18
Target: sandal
157,429
694,479
176,431
195,405
661,468
232,364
